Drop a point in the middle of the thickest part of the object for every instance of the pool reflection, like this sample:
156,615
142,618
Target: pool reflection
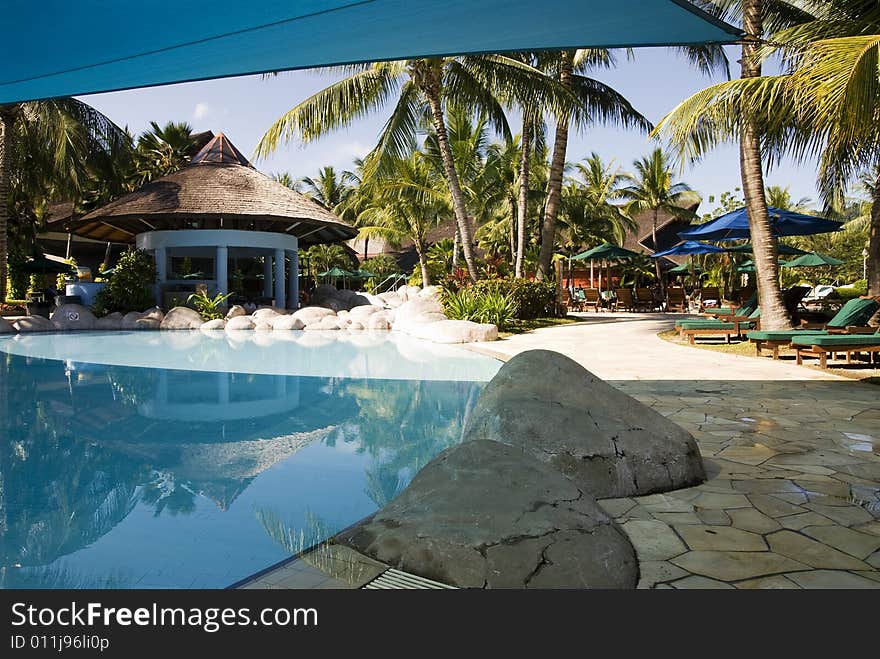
116,476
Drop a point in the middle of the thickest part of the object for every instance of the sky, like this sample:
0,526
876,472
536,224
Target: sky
654,81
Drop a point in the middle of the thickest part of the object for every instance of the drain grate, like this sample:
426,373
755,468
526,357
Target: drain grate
392,579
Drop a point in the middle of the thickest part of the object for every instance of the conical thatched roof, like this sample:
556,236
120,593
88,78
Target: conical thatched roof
219,189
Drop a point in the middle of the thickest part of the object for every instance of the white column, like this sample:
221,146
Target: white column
220,268
267,275
293,281
280,297
161,257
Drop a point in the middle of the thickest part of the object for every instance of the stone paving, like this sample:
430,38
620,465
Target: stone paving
792,454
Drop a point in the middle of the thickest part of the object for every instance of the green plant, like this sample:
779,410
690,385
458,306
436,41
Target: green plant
496,308
531,299
209,307
129,287
463,304
61,278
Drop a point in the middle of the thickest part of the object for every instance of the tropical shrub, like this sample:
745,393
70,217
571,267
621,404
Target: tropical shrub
858,289
531,299
493,307
209,307
129,287
17,280
61,278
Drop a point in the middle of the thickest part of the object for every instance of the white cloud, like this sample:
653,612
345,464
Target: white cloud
201,111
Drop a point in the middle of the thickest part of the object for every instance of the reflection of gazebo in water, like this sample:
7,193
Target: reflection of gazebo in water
217,210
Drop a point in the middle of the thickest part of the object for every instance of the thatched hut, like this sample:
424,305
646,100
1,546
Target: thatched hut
216,210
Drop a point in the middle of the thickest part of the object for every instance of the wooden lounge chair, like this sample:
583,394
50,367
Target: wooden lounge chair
645,299
852,318
822,345
746,308
676,300
710,298
577,301
625,299
735,327
592,299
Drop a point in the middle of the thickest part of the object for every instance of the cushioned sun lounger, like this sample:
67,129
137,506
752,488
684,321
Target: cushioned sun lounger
743,310
852,318
822,345
735,327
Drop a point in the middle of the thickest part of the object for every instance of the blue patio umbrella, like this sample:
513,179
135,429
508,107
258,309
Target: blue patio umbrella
687,248
735,226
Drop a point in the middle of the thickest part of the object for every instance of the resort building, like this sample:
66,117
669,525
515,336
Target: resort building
214,219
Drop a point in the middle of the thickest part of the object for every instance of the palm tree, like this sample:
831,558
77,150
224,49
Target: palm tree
410,201
588,202
651,189
47,149
328,189
162,150
422,87
779,197
597,103
325,257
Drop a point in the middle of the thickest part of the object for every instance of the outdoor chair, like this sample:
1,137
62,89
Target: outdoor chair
822,345
852,318
592,299
645,299
579,300
722,313
734,327
625,299
710,298
676,300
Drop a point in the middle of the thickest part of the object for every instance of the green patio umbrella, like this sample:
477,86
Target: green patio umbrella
812,260
336,272
40,264
606,251
363,274
683,269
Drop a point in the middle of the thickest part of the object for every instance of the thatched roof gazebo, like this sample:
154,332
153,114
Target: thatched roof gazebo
218,207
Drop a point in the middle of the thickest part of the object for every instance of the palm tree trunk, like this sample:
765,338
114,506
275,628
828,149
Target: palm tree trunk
523,203
657,249
774,315
554,185
874,245
7,118
431,88
366,244
511,201
456,239
423,264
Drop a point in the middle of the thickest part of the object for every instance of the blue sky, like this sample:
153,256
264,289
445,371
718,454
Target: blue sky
243,108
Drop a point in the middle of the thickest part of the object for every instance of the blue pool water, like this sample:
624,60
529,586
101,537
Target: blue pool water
186,460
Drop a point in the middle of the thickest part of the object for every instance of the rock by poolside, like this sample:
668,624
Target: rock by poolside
453,331
34,324
608,443
182,318
487,515
148,320
216,324
112,321
240,323
5,326
73,317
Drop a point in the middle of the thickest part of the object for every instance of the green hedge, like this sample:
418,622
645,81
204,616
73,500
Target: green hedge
130,286
858,289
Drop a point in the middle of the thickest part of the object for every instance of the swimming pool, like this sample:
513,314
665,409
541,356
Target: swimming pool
192,460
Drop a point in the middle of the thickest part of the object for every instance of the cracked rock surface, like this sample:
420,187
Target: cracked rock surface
608,443
487,515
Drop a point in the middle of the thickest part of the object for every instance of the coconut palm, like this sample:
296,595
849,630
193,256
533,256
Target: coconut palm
327,188
422,89
779,197
597,103
588,209
651,189
47,149
410,200
162,150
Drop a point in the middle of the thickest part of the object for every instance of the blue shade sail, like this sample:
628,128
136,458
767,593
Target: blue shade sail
735,226
689,247
62,48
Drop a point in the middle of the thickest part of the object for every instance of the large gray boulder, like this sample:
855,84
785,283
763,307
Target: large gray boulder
181,318
34,324
73,317
148,320
112,321
487,515
6,327
452,331
607,442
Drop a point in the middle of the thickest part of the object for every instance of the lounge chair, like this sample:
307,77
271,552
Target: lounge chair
852,318
822,345
710,298
591,299
578,299
625,299
676,300
734,327
744,309
645,299
792,297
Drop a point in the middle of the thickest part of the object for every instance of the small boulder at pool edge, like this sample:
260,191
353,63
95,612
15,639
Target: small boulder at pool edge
607,442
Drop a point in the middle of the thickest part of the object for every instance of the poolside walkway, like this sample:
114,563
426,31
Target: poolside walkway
792,453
